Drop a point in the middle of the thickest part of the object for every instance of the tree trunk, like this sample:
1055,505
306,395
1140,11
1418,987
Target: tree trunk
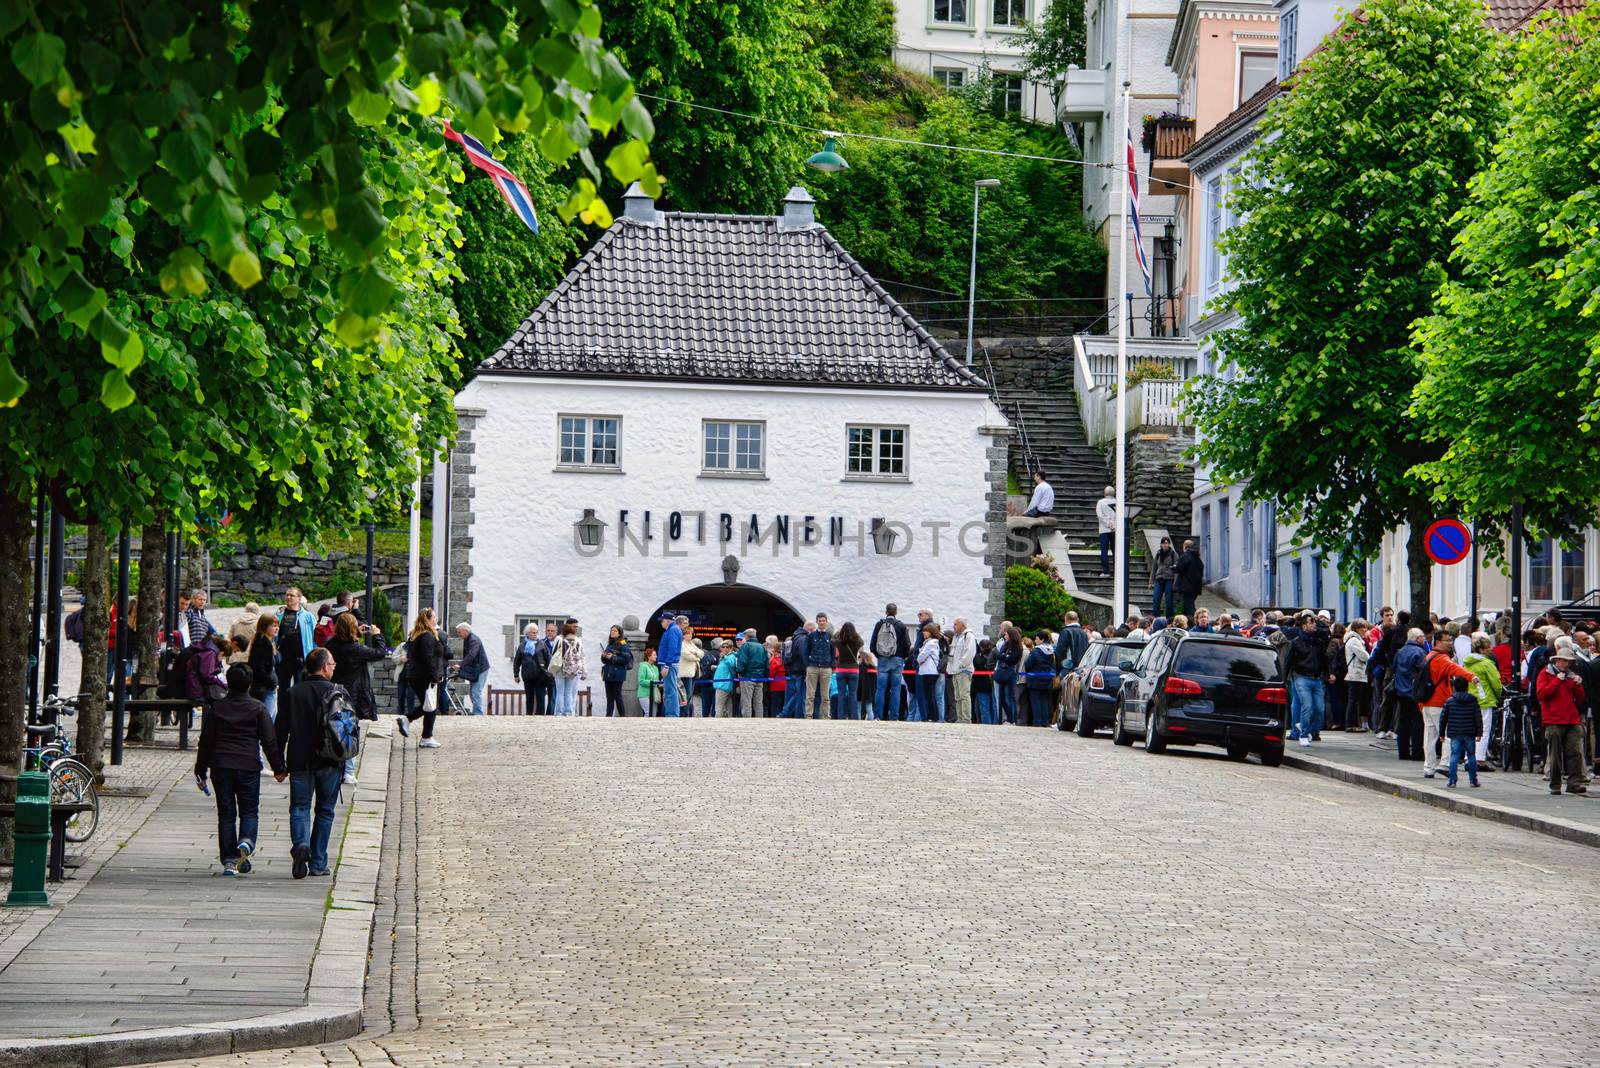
16,534
96,625
152,606
1419,568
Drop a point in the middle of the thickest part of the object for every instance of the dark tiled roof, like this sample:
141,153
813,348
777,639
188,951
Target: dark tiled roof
726,298
1508,16
1237,119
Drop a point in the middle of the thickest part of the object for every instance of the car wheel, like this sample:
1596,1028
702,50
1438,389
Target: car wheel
1272,756
1238,751
1154,740
1119,733
1084,727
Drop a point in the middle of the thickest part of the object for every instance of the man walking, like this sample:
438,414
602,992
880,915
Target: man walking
963,647
891,645
819,669
1105,512
668,650
1191,576
312,780
750,664
1043,501
474,665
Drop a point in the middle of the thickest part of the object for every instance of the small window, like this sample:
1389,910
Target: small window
1012,13
950,77
1256,69
1008,93
735,448
876,451
589,441
950,12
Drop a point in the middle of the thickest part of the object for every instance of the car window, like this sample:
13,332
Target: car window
1091,655
1128,655
1226,660
1155,657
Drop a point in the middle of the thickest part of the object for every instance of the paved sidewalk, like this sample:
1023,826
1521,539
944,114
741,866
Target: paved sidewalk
1515,798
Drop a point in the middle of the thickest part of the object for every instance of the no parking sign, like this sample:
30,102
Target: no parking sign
1448,541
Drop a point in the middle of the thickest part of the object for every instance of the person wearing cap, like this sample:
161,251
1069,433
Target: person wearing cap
1561,698
474,665
668,650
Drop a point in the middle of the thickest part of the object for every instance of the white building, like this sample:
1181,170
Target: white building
950,40
715,414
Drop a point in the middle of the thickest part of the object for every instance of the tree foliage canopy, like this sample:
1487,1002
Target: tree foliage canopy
1511,361
1349,213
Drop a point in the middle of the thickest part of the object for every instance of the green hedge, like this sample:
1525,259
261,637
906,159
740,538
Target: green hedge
1034,600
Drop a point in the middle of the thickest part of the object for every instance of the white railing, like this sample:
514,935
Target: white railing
1152,403
1160,406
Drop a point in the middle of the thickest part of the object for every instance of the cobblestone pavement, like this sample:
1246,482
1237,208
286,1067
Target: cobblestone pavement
752,893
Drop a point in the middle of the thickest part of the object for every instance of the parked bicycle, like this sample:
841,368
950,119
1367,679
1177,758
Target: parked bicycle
1515,738
71,782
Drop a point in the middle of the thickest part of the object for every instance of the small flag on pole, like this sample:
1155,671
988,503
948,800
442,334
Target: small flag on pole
1133,214
514,192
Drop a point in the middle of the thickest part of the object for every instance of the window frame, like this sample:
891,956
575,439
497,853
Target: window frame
875,475
1003,91
942,76
1240,96
936,23
1224,538
588,465
733,470
1010,27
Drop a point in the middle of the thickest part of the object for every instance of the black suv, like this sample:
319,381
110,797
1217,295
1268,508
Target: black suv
1190,689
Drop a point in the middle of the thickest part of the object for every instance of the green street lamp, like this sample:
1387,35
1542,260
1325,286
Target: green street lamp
828,159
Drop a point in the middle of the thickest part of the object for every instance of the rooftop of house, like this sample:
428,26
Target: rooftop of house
758,299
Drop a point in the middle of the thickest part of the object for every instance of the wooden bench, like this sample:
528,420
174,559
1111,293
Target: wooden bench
514,702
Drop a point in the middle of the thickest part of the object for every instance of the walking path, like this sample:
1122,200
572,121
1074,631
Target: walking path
1515,798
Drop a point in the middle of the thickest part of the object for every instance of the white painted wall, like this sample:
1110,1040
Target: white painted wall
924,46
524,555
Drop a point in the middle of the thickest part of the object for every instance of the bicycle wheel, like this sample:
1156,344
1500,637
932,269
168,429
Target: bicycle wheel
71,783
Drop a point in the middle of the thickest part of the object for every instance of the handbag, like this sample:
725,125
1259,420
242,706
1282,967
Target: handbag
430,700
556,658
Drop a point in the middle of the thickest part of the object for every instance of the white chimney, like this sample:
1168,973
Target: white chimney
799,210
638,207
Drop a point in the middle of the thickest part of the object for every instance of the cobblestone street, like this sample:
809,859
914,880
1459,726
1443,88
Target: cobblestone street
737,893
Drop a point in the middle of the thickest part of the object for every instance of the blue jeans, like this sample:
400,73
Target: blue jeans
794,697
984,700
238,809
321,784
1106,538
938,702
1005,691
1307,704
1464,749
270,699
887,691
847,699
566,695
669,690
477,688
1163,595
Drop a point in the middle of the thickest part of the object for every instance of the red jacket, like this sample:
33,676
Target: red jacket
1502,656
1559,698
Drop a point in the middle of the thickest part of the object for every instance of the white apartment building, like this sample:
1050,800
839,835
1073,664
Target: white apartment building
949,40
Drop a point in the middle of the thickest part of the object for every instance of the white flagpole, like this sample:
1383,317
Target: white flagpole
414,553
1119,593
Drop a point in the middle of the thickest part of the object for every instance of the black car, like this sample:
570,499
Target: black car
1192,689
1089,691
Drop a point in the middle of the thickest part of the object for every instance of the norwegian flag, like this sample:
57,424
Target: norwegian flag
514,192
1133,214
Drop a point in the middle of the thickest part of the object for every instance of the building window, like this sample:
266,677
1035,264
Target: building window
950,12
1224,530
1541,572
1256,69
876,452
589,441
538,619
1205,536
1213,234
1012,13
1288,20
1008,93
950,77
735,448
1249,537
1296,583
1316,582
1572,573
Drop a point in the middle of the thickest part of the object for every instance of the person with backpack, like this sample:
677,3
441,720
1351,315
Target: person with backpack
234,732
1434,686
891,645
204,666
566,668
794,669
1405,679
750,663
316,731
426,658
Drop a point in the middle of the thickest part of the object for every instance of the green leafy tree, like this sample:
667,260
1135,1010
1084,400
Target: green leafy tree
858,37
1510,389
1034,600
1348,220
505,270
1053,45
759,58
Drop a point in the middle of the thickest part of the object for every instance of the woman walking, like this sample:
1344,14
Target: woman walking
425,664
263,662
928,676
850,646
233,733
1007,659
569,651
645,689
351,655
615,660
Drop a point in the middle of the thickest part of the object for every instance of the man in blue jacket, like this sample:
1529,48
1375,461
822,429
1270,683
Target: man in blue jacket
819,669
668,651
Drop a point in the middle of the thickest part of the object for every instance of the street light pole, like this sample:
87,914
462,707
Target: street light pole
972,275
1119,604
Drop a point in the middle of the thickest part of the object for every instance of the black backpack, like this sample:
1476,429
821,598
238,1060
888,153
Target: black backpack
338,730
172,672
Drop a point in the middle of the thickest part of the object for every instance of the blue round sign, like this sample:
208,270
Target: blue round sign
1448,541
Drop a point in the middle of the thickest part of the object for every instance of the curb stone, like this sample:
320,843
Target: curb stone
335,990
1566,830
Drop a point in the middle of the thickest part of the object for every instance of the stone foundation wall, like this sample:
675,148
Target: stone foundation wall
1160,478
